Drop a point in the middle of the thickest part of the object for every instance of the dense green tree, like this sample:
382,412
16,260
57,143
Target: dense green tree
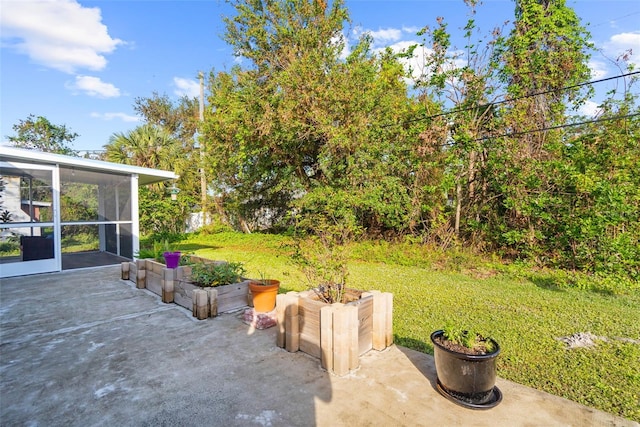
180,120
546,51
594,222
177,119
300,118
466,82
562,196
38,133
337,145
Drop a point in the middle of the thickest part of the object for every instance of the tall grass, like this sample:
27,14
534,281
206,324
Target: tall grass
524,309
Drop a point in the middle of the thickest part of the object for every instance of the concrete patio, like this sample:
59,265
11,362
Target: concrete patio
83,348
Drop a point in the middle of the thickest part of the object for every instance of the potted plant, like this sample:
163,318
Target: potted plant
466,367
263,294
330,321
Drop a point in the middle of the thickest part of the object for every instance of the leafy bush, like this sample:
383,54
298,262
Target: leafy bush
217,274
157,250
10,247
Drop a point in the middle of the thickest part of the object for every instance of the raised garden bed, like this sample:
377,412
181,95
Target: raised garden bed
337,334
174,286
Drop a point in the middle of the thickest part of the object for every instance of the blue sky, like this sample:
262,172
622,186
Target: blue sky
82,63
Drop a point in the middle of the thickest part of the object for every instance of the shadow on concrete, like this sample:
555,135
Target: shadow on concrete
424,363
85,348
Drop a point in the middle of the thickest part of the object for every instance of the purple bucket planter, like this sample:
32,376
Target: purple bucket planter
172,259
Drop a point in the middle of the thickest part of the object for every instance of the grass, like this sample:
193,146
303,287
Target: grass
525,310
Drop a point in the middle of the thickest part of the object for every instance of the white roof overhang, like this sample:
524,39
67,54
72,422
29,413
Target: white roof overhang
145,175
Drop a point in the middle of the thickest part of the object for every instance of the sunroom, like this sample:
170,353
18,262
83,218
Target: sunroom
61,212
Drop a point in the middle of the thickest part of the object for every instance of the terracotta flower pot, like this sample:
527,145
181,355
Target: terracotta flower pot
264,294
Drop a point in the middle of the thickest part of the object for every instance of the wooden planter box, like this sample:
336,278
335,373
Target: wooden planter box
174,286
337,334
135,272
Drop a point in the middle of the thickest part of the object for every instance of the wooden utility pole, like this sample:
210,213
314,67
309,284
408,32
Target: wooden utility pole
203,178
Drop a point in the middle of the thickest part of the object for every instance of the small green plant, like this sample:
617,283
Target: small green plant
156,252
263,279
217,274
469,339
325,230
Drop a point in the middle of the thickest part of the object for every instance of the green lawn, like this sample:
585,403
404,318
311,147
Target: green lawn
525,316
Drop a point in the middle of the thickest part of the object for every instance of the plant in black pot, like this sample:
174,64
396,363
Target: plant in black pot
466,367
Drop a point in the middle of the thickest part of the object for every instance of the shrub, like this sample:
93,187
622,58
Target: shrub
217,274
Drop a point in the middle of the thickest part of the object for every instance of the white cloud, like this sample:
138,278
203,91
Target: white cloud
93,86
619,44
120,116
345,48
626,39
59,34
186,87
411,30
416,63
598,69
386,35
590,109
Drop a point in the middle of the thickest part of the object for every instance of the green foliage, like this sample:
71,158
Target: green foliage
155,252
301,118
148,253
147,146
154,146
38,133
303,138
469,339
214,228
10,246
325,226
178,120
159,214
217,274
78,202
74,240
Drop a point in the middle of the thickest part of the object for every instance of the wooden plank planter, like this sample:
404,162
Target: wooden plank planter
337,334
174,286
135,272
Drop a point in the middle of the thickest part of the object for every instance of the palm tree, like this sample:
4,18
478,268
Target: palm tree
148,146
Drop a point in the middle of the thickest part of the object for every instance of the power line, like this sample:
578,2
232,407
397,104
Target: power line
566,125
614,19
460,110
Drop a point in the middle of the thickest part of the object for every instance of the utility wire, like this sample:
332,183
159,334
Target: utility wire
566,125
460,110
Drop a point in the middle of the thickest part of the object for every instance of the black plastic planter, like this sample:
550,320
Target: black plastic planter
468,380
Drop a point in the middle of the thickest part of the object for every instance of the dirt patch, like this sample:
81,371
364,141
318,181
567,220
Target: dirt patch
588,340
581,340
479,349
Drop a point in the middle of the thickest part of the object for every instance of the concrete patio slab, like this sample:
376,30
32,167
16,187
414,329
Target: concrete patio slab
86,348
